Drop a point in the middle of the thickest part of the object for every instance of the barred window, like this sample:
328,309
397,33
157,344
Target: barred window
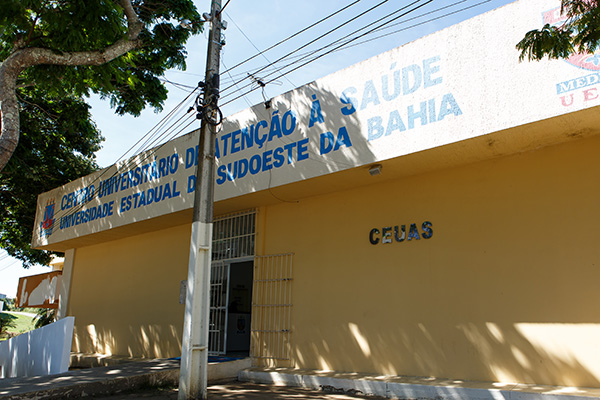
234,235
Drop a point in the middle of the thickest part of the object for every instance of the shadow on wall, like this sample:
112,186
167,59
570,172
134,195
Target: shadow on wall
147,341
494,352
327,138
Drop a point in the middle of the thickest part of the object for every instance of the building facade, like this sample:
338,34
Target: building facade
427,212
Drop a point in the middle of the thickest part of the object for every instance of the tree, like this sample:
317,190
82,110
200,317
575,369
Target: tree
58,141
115,48
53,53
580,33
45,316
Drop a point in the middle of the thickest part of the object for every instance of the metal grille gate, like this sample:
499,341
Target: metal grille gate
271,308
219,298
233,238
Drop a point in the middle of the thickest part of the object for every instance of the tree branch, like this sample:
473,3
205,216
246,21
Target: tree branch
22,58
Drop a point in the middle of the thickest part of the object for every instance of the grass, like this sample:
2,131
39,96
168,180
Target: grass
14,324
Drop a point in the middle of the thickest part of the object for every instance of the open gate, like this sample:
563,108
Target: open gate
233,241
219,300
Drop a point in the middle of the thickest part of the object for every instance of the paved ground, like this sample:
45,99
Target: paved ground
239,391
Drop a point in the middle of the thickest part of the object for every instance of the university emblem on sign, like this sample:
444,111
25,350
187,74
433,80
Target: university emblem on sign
48,221
587,61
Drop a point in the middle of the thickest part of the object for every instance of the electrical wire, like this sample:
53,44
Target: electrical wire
420,23
10,265
272,66
382,26
223,8
304,55
296,34
343,44
227,72
337,48
253,45
322,36
336,41
151,139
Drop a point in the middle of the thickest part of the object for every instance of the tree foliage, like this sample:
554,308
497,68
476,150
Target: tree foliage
580,33
54,53
57,145
115,48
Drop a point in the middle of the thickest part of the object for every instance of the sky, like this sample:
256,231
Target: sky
254,26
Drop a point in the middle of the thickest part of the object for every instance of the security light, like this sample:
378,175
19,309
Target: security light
375,169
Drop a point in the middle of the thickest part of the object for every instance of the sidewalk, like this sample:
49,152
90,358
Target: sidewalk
241,391
92,381
158,379
149,380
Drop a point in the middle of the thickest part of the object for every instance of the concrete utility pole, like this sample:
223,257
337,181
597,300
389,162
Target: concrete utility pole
194,355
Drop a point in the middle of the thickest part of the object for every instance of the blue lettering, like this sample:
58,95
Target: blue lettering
235,141
395,123
326,143
413,115
174,165
247,137
255,162
275,126
290,117
342,140
302,149
266,160
428,70
221,173
316,115
278,157
242,171
415,71
449,106
192,183
260,140
352,102
369,95
375,128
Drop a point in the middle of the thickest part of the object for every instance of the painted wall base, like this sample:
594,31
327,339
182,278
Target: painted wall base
400,387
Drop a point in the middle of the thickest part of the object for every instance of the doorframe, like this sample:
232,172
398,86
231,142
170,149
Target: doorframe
226,264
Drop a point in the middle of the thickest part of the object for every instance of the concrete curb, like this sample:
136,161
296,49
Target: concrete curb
413,387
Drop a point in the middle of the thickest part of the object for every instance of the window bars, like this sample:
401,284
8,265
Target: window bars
234,235
219,298
271,309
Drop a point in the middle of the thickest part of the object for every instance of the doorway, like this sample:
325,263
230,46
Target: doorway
230,308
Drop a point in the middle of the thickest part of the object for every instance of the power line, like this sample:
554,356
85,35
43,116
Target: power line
320,37
253,45
296,34
151,139
382,26
271,66
349,41
227,71
9,265
310,53
421,23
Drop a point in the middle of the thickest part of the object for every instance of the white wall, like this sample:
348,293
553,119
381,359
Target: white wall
44,351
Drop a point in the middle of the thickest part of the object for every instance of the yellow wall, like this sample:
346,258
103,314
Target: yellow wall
125,295
505,290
